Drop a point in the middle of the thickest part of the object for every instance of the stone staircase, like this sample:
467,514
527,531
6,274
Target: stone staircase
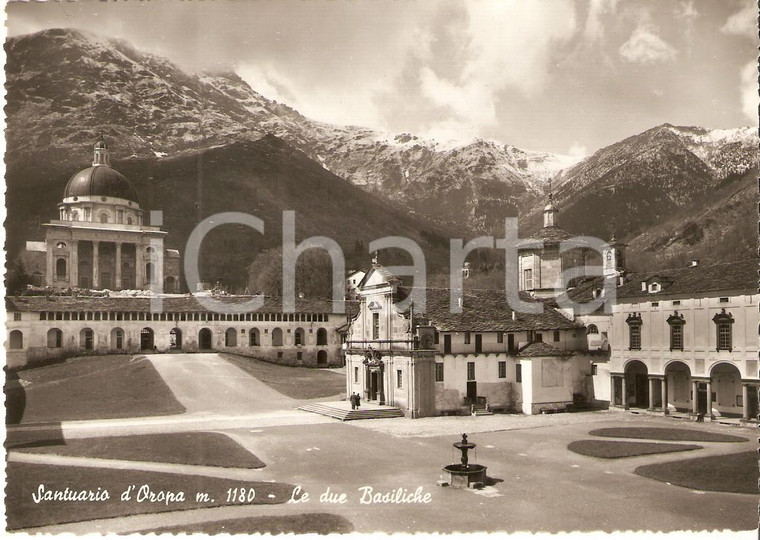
342,411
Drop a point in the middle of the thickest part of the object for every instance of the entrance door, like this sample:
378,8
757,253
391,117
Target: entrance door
373,385
146,339
702,398
472,391
447,344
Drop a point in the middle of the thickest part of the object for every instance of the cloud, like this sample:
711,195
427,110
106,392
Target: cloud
465,87
743,22
750,99
646,47
577,150
686,11
593,31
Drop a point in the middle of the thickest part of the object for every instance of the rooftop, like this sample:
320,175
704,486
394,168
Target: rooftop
172,304
486,310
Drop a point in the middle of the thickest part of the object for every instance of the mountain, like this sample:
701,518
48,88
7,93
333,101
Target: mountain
260,178
645,180
64,87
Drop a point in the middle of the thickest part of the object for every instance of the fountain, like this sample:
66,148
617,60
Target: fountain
465,474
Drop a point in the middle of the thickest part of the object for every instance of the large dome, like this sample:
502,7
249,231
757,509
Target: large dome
100,180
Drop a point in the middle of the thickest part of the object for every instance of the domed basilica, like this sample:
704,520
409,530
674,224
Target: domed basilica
100,240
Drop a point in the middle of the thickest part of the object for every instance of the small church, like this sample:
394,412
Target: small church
100,239
485,358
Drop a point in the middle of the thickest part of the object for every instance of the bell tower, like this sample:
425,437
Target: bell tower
102,155
550,211
614,258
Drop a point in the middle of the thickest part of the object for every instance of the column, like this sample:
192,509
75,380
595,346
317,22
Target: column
625,394
74,264
709,400
95,268
650,380
139,266
745,401
612,391
381,384
117,270
664,393
49,268
367,382
694,400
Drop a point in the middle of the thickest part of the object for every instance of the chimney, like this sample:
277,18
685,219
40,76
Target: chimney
514,315
459,301
643,286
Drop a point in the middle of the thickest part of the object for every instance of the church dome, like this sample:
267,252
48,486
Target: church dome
100,180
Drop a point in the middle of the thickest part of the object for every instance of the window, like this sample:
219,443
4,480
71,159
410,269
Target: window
470,371
478,343
16,340
439,372
518,373
593,369
277,337
634,331
592,329
253,337
502,370
676,323
676,302
119,339
539,337
61,245
321,336
723,325
511,343
375,326
556,335
299,355
723,300
499,337
60,269
655,304
104,218
466,338
86,339
299,335
54,338
528,279
436,338
356,374
17,316
399,379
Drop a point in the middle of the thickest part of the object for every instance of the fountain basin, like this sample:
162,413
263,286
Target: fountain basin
463,476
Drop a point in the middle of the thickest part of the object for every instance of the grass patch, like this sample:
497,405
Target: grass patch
731,473
665,434
95,387
296,524
25,478
192,448
621,449
294,382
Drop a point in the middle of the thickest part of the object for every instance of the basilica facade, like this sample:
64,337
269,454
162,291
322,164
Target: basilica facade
100,239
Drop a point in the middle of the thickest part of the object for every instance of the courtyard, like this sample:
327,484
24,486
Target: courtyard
216,426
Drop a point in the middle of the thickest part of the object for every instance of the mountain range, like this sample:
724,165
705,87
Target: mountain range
169,128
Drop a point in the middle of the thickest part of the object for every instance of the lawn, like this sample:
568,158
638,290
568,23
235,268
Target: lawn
95,387
732,473
665,434
294,382
296,524
621,449
24,479
194,448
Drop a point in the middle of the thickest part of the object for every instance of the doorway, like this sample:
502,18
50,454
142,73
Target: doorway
146,339
472,391
204,339
373,385
175,338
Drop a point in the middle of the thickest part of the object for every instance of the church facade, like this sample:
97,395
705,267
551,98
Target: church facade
100,239
487,357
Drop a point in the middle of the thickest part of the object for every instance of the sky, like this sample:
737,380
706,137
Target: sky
565,76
